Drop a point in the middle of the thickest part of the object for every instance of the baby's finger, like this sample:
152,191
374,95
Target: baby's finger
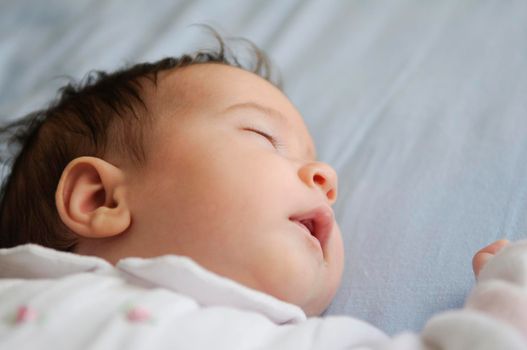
495,247
479,260
484,254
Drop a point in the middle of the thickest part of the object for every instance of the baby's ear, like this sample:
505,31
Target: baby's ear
91,198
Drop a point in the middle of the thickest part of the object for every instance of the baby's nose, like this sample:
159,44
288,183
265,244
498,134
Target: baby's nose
321,175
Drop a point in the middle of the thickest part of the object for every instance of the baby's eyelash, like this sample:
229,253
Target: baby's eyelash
276,144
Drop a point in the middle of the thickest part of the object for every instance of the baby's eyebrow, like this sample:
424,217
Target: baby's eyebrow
271,112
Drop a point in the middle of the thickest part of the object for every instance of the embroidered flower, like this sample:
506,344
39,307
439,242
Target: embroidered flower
138,314
25,314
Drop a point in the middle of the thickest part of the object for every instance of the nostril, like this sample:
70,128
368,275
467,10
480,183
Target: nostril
319,180
331,194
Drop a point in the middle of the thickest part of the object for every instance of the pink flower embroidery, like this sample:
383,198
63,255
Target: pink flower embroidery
138,314
25,314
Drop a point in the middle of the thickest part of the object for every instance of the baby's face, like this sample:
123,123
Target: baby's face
232,182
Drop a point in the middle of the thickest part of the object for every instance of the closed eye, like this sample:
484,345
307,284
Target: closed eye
274,142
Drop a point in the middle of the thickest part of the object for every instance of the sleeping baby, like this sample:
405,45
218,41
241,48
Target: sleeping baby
180,204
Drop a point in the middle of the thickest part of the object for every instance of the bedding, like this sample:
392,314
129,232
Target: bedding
420,106
171,302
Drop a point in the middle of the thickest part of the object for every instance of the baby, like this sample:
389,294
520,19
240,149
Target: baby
182,206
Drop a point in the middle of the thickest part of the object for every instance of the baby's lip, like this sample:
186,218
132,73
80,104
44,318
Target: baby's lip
318,221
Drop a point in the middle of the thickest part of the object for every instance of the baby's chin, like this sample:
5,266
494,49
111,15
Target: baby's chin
319,302
318,306
313,301
313,296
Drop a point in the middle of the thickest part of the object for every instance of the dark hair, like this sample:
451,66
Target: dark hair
104,111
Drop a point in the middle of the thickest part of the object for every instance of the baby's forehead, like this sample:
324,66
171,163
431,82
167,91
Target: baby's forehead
219,88
215,82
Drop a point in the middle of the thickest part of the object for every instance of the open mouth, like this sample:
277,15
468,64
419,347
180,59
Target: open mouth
317,222
309,225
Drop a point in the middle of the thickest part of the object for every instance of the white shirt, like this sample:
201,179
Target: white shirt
58,300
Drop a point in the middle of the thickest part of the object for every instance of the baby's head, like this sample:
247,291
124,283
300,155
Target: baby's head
192,156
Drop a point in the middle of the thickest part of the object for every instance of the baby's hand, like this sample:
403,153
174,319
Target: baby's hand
483,255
